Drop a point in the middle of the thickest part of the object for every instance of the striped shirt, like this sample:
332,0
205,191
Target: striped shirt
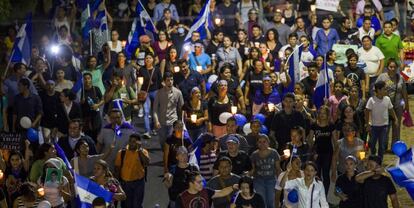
206,165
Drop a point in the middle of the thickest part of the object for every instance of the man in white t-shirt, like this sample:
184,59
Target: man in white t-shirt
374,59
379,108
366,29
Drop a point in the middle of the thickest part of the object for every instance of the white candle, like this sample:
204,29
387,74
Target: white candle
176,69
271,107
193,118
217,21
362,155
140,80
199,68
41,191
1,174
313,7
123,43
268,64
286,152
233,109
213,56
246,51
256,44
283,20
281,54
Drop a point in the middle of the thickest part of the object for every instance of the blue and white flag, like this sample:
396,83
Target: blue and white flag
87,190
403,172
117,130
60,153
322,90
87,7
199,23
141,25
22,48
78,84
100,30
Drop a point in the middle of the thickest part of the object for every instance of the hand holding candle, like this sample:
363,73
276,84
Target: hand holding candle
271,107
41,191
361,155
233,110
140,80
194,118
176,69
286,153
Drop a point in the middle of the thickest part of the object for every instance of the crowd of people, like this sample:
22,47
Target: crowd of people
241,95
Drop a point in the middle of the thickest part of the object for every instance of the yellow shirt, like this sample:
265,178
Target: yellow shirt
132,168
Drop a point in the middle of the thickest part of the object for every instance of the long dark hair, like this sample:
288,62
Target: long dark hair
249,181
43,148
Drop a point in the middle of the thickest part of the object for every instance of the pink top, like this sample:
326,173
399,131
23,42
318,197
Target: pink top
334,103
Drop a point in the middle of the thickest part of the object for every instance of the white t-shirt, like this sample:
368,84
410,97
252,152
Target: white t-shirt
372,58
362,33
379,110
306,194
286,202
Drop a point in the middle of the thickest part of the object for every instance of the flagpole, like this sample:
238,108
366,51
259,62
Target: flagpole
182,134
8,63
147,13
90,31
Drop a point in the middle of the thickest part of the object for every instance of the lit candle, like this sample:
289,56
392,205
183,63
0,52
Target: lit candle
217,21
140,80
233,109
313,7
213,56
256,44
123,43
283,20
1,174
199,68
176,69
267,64
193,118
246,51
187,48
41,191
286,152
271,107
281,54
362,155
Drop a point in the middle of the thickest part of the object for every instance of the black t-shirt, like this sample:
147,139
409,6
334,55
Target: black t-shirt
282,123
174,143
352,189
255,202
156,79
255,81
302,151
92,96
201,199
36,82
376,191
50,107
215,109
309,86
240,163
323,138
231,9
178,184
212,48
355,75
200,113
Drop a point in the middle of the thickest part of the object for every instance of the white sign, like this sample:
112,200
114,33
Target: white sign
328,5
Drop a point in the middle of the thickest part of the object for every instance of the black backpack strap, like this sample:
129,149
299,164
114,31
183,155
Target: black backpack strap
123,151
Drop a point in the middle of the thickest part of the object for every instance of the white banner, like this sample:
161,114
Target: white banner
328,5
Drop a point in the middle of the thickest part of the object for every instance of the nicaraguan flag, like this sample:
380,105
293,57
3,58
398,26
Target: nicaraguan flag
141,24
78,84
60,153
100,30
199,23
322,88
403,173
22,48
117,130
87,7
87,190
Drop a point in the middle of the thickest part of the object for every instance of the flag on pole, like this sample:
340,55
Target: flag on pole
204,17
60,153
87,7
22,48
100,30
403,172
142,24
87,190
322,90
78,84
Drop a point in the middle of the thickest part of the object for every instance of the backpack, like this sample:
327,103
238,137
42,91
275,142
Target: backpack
123,151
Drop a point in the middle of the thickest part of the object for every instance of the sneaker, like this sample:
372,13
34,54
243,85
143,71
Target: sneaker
141,112
146,135
154,132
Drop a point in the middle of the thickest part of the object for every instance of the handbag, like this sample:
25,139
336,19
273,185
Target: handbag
142,95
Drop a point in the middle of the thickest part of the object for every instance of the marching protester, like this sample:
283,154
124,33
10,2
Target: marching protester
238,103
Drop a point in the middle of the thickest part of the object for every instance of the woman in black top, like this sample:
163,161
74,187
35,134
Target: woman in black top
325,138
68,110
346,186
197,107
218,105
247,196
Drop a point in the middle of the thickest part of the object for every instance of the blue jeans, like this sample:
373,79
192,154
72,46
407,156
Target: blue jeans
148,109
266,189
378,133
134,191
402,26
163,133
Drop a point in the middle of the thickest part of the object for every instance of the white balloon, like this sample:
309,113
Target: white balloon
224,116
25,122
212,78
246,129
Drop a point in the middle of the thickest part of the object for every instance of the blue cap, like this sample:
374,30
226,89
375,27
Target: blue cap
232,139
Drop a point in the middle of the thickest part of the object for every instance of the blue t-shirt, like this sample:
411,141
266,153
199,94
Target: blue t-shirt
375,23
203,60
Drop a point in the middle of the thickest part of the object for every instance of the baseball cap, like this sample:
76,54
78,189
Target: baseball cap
232,139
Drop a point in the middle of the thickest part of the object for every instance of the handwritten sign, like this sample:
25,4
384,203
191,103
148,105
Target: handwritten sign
10,141
328,5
